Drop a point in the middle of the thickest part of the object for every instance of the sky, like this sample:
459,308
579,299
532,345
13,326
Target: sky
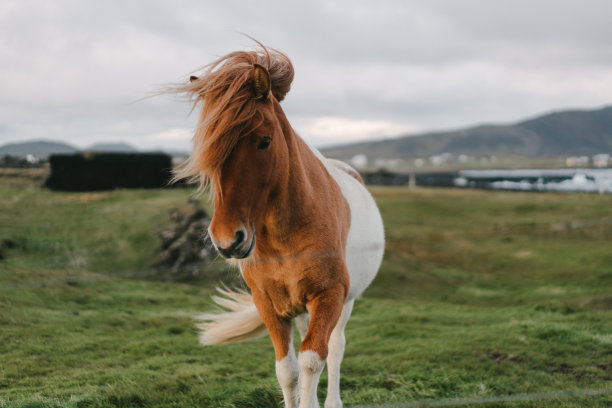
82,71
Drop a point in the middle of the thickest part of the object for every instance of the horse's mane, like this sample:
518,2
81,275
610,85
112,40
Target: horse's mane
229,110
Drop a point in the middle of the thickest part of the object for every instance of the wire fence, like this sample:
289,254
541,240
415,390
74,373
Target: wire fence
495,399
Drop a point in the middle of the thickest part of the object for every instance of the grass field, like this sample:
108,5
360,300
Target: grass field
481,294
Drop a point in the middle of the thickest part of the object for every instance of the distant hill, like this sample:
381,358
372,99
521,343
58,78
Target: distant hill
565,133
112,147
39,148
44,148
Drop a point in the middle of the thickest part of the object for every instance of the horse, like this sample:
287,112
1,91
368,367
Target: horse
304,230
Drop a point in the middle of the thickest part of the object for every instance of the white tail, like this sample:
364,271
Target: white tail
241,322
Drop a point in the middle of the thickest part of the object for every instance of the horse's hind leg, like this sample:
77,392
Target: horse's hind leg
301,322
336,345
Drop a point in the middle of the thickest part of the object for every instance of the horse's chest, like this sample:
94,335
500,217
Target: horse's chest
288,292
288,298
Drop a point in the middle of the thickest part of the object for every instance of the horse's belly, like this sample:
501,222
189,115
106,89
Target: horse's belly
366,239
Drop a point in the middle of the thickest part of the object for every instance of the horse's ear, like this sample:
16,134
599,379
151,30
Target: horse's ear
261,82
193,78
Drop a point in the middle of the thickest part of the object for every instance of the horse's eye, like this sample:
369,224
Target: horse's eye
264,143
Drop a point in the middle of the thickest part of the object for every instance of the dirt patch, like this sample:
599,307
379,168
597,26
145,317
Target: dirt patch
498,357
599,303
523,254
86,197
31,177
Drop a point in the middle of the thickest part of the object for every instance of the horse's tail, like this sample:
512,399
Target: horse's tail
239,323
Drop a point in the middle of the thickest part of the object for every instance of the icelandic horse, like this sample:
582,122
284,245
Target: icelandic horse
304,230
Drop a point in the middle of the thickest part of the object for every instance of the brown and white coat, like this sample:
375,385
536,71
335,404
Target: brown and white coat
304,230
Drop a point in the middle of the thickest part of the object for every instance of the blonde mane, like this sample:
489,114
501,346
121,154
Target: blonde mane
229,111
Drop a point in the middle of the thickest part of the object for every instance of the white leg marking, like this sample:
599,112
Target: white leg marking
302,322
336,345
287,372
311,366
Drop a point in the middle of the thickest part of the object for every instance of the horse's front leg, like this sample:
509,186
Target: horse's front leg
287,374
286,364
324,312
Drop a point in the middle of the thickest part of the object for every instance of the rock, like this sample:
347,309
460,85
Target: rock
185,252
8,243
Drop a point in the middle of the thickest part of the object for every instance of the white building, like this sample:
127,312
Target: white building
601,160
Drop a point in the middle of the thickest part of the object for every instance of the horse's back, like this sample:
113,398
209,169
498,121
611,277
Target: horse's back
346,168
366,240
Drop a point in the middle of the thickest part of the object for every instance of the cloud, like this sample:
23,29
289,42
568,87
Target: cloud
329,130
172,139
72,70
173,135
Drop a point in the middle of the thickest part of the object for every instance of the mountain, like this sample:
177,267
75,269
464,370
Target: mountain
44,148
565,133
118,147
40,148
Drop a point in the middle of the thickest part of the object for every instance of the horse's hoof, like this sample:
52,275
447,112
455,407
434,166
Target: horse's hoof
333,404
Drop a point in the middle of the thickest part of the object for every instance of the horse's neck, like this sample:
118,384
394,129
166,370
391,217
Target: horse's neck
299,201
305,169
307,217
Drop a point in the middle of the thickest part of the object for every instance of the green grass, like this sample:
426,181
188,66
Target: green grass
481,294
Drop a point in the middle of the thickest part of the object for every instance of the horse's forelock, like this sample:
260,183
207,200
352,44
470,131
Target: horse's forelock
281,75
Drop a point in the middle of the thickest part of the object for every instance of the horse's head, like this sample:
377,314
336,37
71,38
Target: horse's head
251,173
240,148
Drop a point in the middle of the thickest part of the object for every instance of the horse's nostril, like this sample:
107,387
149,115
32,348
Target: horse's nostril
240,236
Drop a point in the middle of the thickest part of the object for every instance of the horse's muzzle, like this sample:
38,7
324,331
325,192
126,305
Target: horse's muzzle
241,248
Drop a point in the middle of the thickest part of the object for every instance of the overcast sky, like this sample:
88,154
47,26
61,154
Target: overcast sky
76,71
